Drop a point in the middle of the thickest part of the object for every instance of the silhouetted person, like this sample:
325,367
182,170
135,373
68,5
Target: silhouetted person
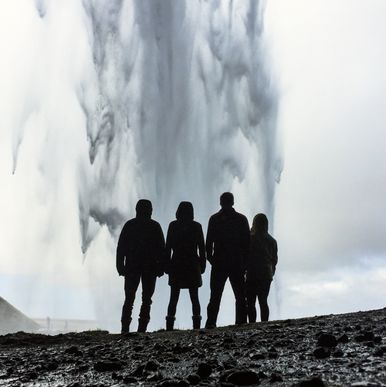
185,257
227,246
261,266
140,258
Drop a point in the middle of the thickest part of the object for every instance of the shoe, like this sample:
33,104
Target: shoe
170,323
196,322
142,324
125,327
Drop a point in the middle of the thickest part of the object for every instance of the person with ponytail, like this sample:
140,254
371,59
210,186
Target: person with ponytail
261,267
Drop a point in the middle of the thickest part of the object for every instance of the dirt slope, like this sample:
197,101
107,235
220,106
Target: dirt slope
334,350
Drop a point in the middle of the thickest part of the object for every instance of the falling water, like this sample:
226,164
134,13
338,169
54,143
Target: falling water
112,100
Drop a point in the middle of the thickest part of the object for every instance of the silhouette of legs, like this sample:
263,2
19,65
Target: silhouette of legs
131,286
148,287
236,278
262,295
260,289
217,283
174,296
251,303
196,308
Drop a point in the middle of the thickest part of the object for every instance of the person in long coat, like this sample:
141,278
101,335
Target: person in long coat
185,261
261,267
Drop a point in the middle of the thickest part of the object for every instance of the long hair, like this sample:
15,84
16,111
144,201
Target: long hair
259,224
185,212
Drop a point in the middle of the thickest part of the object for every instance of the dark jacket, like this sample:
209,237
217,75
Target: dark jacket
262,258
227,240
184,265
140,247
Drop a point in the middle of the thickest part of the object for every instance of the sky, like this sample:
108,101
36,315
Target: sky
327,59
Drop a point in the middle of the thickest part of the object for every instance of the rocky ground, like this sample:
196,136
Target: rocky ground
334,350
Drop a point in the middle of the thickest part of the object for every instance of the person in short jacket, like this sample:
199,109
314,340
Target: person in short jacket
227,247
140,253
185,261
261,267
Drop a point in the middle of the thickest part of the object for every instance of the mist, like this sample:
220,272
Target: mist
111,101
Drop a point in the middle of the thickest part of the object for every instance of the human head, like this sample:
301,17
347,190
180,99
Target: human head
226,200
185,212
260,224
144,208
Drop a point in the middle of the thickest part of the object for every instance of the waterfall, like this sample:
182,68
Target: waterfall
113,100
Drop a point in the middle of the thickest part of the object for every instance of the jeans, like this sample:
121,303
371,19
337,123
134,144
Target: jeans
131,285
258,288
174,296
218,277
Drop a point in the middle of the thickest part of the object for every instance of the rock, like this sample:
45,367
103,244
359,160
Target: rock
276,378
365,336
154,377
194,379
74,350
51,366
204,370
138,371
327,340
243,378
379,352
314,382
343,339
129,379
321,353
337,353
152,365
104,366
173,383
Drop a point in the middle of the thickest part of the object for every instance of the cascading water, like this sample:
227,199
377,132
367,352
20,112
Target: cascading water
162,99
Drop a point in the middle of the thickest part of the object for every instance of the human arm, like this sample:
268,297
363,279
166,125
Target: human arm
274,256
210,241
245,239
160,242
121,250
201,249
168,249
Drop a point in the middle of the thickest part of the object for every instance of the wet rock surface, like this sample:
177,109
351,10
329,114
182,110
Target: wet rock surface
334,350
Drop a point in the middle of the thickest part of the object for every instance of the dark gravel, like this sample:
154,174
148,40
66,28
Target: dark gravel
334,350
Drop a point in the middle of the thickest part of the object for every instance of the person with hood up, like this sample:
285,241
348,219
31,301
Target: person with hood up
140,254
185,261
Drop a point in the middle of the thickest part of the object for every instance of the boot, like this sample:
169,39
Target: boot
125,326
142,324
170,323
196,322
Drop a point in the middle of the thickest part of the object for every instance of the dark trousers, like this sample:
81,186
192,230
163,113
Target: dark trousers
131,285
258,288
174,296
218,277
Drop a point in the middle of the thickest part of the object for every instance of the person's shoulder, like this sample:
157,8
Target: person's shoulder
197,225
272,239
172,224
215,216
154,223
240,216
129,223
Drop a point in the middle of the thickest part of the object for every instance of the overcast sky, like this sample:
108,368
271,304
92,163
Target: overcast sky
328,59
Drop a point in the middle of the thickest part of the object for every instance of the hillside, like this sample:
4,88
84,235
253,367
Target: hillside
334,350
